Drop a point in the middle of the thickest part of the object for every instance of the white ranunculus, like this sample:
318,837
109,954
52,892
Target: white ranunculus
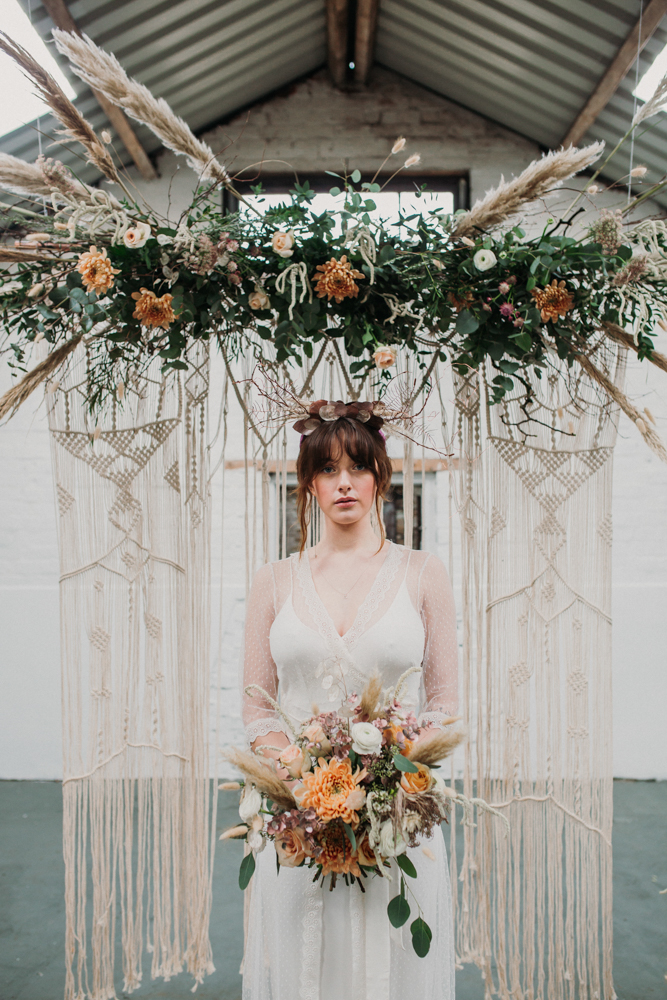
137,236
366,738
390,843
250,805
484,259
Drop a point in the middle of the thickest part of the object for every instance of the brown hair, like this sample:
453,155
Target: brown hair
363,444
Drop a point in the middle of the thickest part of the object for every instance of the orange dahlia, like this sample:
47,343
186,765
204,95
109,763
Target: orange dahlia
327,787
337,857
96,270
153,311
553,301
337,280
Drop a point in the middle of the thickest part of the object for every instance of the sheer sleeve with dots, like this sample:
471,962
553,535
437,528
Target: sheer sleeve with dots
258,668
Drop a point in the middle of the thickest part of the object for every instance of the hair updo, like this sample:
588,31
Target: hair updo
365,446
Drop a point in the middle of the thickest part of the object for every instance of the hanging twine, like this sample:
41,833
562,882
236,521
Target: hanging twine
359,238
295,272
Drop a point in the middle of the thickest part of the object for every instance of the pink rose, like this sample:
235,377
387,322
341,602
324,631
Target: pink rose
292,760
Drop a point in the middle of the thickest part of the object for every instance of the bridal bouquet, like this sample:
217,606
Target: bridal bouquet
364,788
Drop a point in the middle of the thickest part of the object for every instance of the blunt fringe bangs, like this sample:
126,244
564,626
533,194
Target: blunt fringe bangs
325,444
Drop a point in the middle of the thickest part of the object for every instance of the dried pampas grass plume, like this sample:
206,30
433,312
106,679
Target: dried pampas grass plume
652,439
437,747
102,71
22,178
536,181
370,697
13,255
657,102
266,780
75,125
14,397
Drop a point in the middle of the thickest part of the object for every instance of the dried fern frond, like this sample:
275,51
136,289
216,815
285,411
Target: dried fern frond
437,747
75,125
102,71
652,439
14,397
537,180
266,780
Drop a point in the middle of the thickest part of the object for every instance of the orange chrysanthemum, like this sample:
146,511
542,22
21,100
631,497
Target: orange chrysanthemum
326,788
337,280
553,301
96,270
153,311
337,857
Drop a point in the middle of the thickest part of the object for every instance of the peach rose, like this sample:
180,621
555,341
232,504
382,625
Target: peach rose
315,734
364,853
137,236
292,760
384,357
259,299
282,243
414,783
290,848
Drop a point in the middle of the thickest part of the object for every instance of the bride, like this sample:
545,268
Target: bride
318,624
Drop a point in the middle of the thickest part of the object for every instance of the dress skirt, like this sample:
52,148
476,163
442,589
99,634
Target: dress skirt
305,942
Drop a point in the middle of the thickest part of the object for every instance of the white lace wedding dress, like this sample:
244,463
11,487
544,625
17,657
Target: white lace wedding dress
305,942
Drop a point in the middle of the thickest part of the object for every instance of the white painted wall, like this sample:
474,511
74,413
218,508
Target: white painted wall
316,128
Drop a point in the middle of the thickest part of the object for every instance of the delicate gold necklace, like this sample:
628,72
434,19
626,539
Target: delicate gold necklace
350,589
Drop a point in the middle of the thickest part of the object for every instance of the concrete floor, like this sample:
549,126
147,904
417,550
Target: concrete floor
32,911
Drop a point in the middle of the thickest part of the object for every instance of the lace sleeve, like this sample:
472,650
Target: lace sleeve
440,665
259,717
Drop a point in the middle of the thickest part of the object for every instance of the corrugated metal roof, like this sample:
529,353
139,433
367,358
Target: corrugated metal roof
207,59
527,64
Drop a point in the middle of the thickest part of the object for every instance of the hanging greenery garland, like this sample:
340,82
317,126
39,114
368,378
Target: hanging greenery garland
466,288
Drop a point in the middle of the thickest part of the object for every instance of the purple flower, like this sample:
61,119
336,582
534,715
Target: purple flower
506,309
503,287
519,321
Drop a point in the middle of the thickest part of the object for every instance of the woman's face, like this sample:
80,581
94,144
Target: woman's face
345,490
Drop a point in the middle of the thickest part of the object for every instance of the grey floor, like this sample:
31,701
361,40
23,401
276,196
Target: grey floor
32,911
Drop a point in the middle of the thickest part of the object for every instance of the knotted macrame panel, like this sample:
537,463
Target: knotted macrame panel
534,909
134,535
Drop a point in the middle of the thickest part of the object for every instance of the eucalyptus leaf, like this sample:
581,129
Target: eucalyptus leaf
247,870
403,764
398,911
404,863
421,937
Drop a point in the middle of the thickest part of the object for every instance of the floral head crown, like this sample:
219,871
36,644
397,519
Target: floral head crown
324,411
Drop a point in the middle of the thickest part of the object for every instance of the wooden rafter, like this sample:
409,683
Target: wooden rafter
624,59
60,15
337,17
364,43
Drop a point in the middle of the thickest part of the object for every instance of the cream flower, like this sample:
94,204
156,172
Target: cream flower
250,805
366,737
259,299
484,259
384,357
390,843
137,236
282,243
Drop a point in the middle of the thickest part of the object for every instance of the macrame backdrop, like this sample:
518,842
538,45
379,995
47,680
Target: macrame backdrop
534,500
134,532
534,909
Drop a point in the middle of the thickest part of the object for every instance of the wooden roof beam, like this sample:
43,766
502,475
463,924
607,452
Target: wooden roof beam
61,17
623,61
364,42
337,18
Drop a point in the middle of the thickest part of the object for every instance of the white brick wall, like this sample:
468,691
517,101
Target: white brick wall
316,128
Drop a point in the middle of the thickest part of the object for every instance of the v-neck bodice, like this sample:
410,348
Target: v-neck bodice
316,665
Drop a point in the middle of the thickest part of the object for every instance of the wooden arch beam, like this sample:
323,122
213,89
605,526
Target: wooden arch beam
364,42
624,59
59,13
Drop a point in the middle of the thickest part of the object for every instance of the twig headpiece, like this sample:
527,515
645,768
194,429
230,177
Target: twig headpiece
326,411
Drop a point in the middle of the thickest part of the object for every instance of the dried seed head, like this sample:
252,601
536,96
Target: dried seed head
398,145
